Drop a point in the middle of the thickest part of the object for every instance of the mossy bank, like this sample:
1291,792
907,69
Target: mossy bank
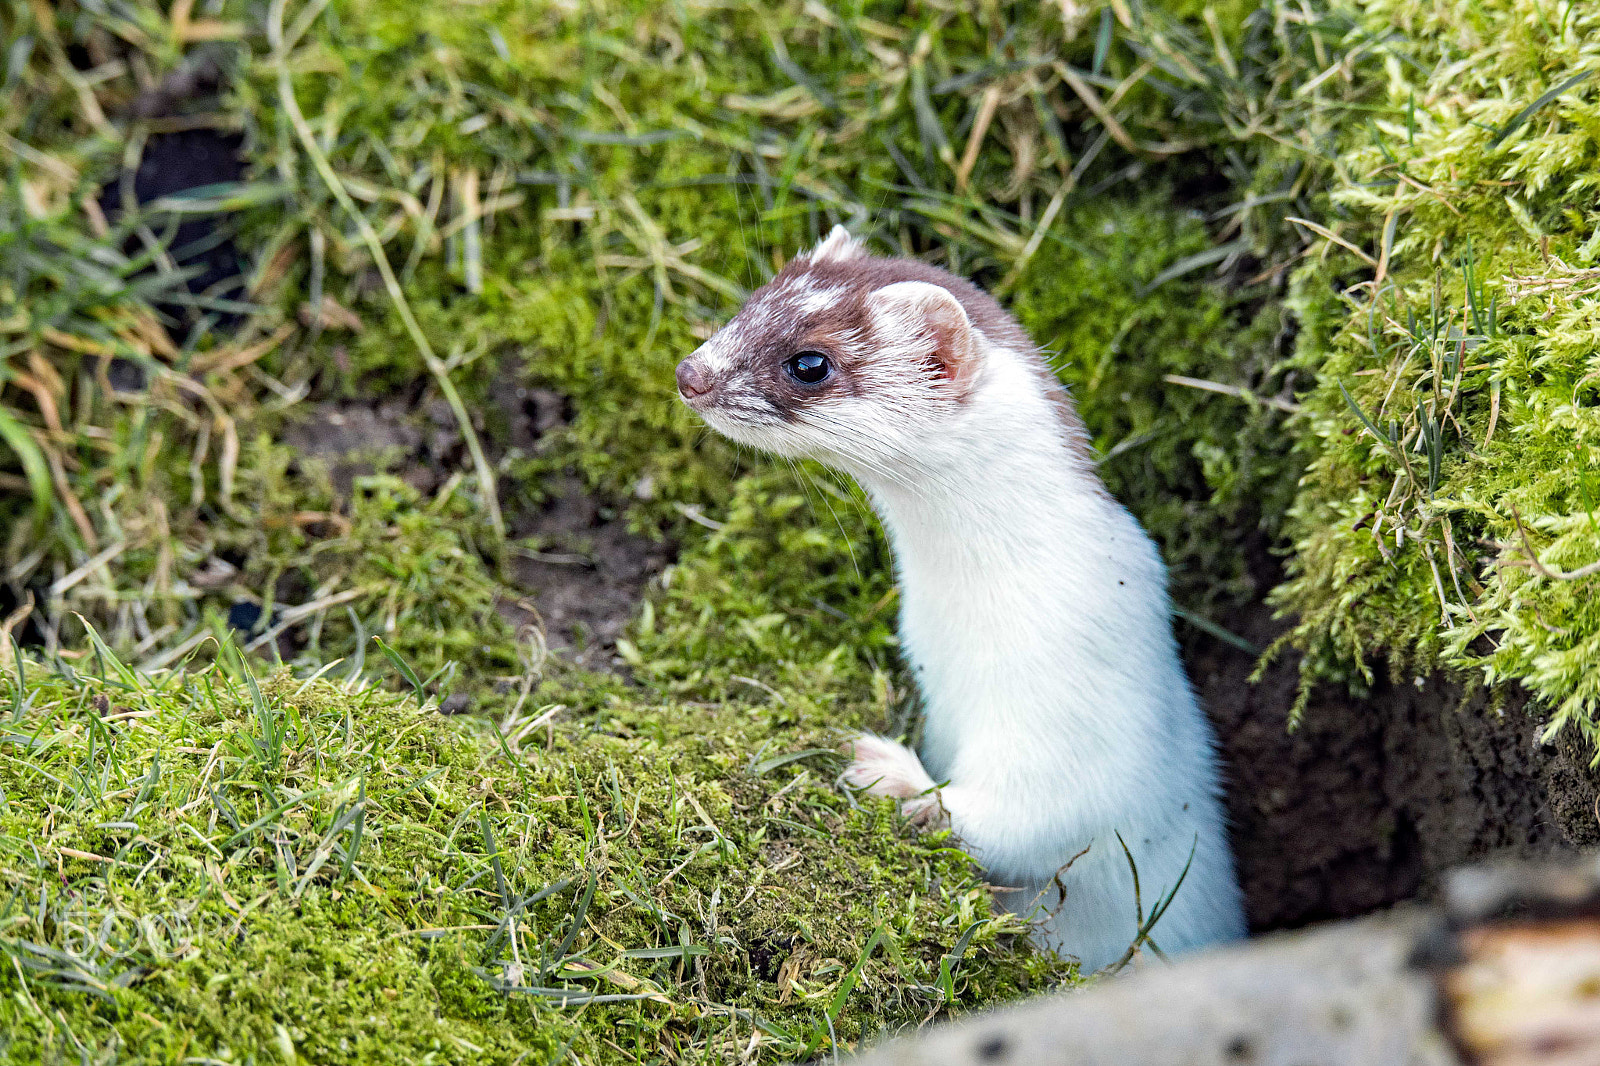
201,864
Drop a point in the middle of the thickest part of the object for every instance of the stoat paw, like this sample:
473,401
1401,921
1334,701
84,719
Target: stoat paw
926,811
884,768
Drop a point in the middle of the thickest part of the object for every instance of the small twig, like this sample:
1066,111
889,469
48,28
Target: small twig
1047,219
58,475
762,685
980,127
1438,587
16,617
1450,553
1231,390
1092,101
1541,568
693,514
305,610
69,580
1063,868
1328,234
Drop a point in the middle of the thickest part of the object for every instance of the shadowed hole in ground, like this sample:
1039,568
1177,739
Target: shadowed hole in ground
1373,798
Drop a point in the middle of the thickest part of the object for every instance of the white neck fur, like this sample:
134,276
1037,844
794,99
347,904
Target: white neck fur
1057,717
1022,581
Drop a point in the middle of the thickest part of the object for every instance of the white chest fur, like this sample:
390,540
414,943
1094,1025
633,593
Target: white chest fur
1058,717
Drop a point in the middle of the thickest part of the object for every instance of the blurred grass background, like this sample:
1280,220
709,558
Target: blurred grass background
309,313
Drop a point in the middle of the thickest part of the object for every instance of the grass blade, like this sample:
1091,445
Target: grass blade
1194,262
106,655
33,465
577,919
22,679
494,857
1102,42
404,667
674,951
1522,116
848,985
1388,442
947,965
766,766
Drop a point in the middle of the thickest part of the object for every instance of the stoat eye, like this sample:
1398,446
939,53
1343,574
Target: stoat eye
808,368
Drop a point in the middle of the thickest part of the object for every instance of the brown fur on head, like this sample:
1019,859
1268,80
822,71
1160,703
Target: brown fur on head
900,345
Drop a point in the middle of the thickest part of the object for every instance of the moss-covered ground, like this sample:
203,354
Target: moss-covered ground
1448,517
326,872
1321,278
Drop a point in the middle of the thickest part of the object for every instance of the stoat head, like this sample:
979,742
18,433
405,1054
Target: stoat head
847,357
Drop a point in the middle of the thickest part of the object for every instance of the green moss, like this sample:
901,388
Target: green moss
196,870
1412,548
420,568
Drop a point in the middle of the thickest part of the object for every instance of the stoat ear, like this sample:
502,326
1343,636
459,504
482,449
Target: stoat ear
926,322
837,245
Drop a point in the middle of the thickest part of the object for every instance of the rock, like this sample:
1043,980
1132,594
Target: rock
1507,974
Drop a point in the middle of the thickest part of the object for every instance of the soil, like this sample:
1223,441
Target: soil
1373,798
583,571
576,571
588,575
353,438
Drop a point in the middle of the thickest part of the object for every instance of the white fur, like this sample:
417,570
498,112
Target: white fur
838,244
817,300
1034,611
884,768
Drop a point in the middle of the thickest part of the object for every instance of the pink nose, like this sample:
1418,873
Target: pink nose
692,381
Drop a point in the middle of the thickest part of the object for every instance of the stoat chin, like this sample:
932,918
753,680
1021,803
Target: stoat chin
1034,609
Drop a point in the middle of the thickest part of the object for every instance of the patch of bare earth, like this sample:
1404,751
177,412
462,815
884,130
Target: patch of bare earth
575,571
585,578
579,572
1373,798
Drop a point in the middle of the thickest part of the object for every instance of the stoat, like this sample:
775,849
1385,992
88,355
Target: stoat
1034,608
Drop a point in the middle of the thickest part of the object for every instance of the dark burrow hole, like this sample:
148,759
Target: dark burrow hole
1375,796
29,632
173,163
768,952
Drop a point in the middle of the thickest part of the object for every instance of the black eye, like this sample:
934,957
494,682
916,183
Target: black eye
808,368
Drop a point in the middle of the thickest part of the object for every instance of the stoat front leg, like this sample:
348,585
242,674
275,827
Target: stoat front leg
885,768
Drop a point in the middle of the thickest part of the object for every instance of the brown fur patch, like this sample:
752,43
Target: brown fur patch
860,275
